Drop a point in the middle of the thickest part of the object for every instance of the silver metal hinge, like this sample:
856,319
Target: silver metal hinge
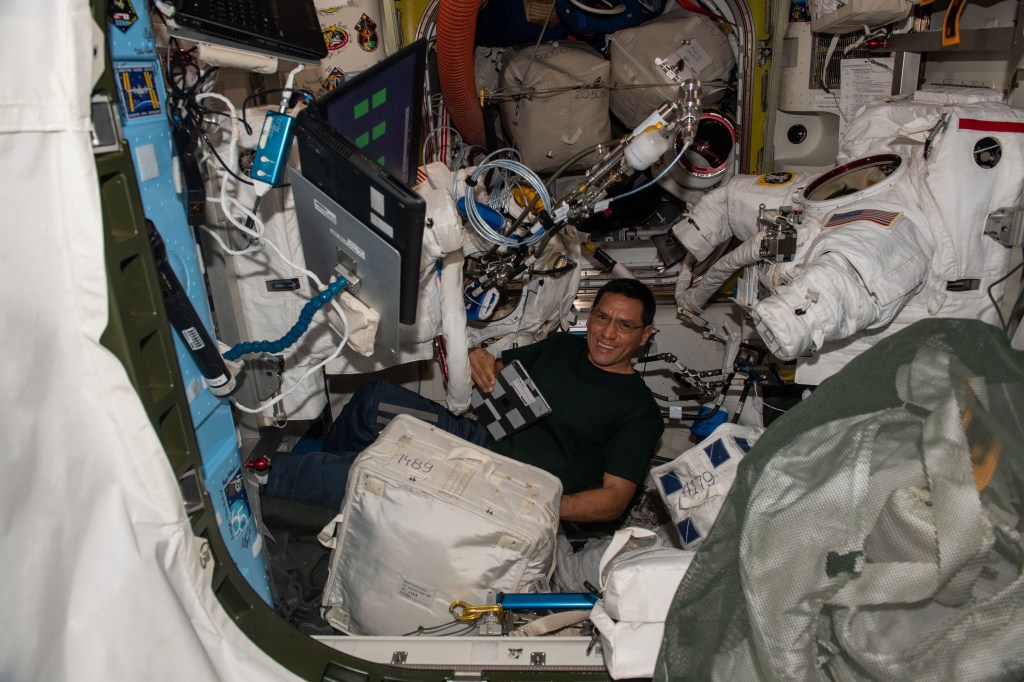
1005,226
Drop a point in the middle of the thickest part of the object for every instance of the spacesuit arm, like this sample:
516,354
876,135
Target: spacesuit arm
443,242
827,302
730,211
852,278
707,225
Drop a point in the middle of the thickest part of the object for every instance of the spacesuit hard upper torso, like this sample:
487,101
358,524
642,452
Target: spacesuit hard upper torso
908,242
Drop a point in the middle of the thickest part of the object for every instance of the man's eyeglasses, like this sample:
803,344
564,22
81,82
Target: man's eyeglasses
624,326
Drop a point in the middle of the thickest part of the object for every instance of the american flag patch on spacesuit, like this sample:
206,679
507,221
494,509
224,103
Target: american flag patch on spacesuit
883,218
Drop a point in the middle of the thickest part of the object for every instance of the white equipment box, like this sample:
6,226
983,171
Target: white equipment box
429,519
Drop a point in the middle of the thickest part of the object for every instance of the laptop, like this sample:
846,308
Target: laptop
288,29
514,404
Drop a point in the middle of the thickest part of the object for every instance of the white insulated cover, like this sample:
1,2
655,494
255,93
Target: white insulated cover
429,519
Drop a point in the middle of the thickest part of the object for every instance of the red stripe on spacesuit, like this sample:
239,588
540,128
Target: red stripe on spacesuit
991,126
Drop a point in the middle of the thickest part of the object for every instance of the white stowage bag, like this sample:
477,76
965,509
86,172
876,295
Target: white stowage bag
694,485
694,40
430,519
551,127
639,578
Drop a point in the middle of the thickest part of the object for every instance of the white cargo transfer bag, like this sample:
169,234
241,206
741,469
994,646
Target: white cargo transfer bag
695,40
639,578
693,486
564,110
429,519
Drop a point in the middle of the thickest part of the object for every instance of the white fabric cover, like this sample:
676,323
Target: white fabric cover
706,56
101,577
834,16
263,314
695,484
637,575
549,128
638,580
429,519
630,650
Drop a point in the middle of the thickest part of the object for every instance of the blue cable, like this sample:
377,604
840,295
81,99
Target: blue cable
298,329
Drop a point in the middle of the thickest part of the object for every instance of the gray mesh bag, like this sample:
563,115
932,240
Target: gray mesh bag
874,532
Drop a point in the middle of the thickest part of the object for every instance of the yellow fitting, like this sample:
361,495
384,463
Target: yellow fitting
526,197
463,611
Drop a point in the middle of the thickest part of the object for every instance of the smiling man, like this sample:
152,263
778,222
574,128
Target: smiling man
604,423
598,440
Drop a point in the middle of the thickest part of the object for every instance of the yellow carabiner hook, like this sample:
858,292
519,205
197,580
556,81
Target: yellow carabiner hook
463,611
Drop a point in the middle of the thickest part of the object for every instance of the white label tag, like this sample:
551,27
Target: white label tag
381,225
694,56
193,389
376,201
359,253
325,212
525,395
460,477
149,167
416,593
192,338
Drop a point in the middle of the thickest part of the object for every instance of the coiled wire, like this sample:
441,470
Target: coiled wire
473,214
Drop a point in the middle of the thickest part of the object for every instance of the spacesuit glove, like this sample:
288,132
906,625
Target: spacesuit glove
683,280
787,333
687,302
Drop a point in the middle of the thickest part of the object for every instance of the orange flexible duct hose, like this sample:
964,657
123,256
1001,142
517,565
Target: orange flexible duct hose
456,38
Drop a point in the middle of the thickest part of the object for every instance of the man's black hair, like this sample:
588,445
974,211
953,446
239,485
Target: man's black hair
634,289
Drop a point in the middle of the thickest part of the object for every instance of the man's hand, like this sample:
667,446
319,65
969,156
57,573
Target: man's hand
600,504
482,368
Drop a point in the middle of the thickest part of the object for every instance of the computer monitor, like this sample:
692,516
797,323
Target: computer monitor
359,145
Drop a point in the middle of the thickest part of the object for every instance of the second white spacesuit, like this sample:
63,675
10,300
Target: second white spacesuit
894,235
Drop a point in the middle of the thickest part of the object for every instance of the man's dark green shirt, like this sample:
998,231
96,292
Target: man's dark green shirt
600,422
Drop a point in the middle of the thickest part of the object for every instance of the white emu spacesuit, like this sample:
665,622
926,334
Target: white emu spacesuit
895,233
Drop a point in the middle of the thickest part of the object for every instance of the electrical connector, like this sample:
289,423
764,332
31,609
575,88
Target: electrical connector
275,144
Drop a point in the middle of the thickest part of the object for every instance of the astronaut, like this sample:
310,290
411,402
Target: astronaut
913,222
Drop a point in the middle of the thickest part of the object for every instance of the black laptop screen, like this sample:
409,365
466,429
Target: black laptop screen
379,111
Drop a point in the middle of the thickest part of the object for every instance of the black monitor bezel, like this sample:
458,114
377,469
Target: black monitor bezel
342,171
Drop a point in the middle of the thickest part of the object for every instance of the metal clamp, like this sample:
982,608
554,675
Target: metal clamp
468,612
